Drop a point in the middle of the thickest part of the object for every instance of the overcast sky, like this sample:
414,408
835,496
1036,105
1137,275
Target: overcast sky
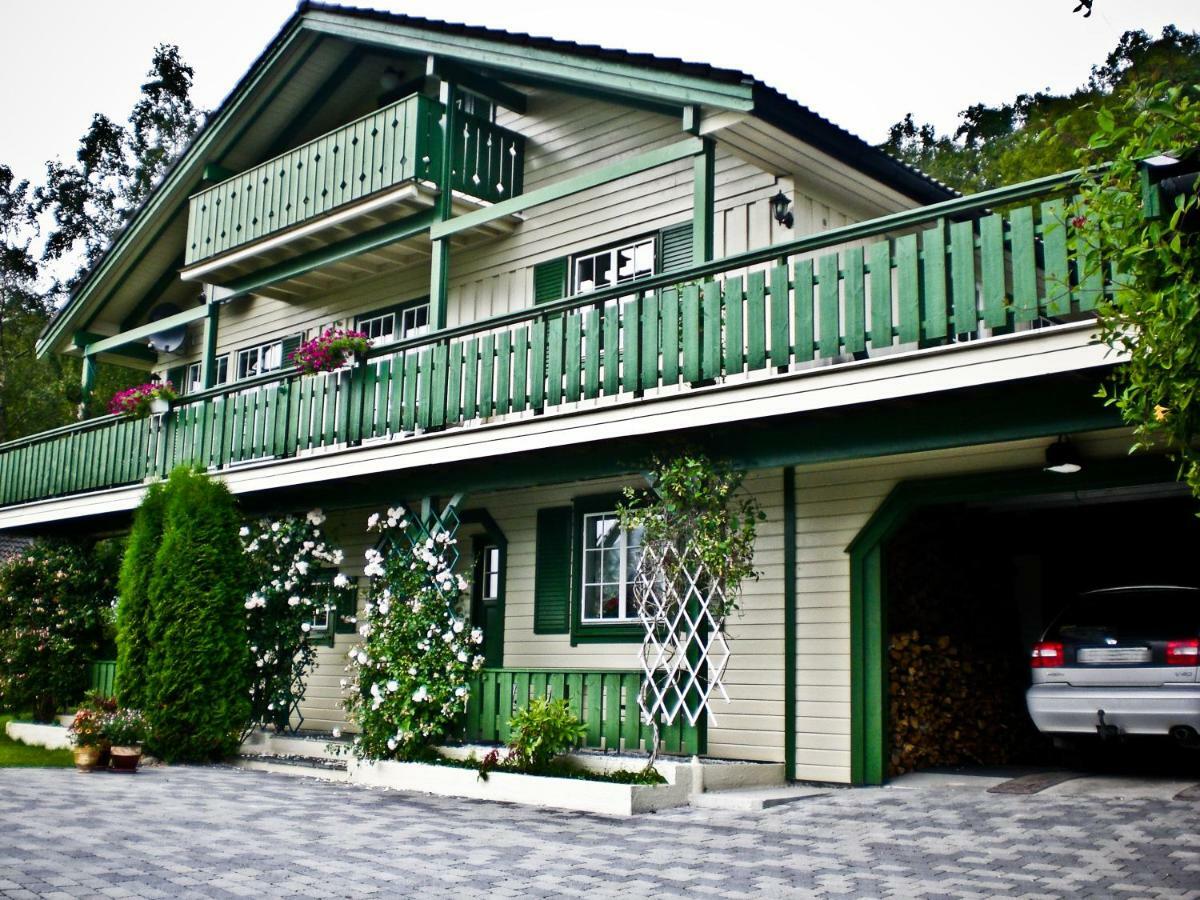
860,63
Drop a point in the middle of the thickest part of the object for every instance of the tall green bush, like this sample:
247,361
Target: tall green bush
196,686
55,600
134,620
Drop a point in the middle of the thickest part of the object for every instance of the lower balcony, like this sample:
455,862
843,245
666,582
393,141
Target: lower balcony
923,288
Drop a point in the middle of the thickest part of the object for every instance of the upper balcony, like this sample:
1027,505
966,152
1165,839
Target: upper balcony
919,302
376,170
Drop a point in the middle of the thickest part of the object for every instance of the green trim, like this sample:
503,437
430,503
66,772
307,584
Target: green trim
443,164
652,159
790,574
868,598
208,362
126,355
703,197
551,566
588,632
144,331
378,237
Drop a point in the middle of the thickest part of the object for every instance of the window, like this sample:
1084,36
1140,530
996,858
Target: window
614,265
192,383
260,360
490,573
397,324
610,560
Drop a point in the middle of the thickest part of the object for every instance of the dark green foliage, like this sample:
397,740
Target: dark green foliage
197,690
542,731
134,620
1039,133
54,603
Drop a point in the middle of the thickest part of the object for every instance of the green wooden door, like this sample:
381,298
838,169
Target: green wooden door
487,598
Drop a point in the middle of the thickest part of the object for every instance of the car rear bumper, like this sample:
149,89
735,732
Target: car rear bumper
1065,709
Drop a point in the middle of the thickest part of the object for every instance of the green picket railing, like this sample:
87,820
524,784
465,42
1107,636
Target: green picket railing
606,702
102,677
388,147
951,273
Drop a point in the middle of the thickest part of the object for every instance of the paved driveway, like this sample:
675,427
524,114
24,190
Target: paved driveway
217,832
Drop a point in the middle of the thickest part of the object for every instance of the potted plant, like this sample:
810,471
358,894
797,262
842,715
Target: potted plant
125,731
87,734
330,350
152,398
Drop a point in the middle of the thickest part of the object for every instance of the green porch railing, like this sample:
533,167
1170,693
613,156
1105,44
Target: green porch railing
606,702
388,147
102,677
949,274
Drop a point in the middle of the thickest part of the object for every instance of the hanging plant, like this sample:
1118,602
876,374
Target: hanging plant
411,673
289,558
138,402
330,350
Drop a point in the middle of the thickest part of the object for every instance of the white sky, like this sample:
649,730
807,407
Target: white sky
860,63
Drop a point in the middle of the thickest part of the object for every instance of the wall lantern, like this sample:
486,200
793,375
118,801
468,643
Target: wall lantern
779,207
1063,458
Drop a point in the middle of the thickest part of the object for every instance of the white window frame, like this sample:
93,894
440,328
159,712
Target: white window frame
365,325
490,574
625,601
613,253
259,351
402,326
192,383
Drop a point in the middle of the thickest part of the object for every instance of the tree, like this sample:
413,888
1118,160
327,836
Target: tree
1154,315
197,690
135,621
1039,133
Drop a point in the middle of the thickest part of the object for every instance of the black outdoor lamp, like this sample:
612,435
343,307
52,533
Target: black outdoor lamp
1165,178
1062,458
779,207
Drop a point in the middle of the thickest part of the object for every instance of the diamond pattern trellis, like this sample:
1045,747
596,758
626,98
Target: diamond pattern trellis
685,652
427,525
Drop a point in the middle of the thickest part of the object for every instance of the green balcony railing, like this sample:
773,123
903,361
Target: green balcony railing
398,143
953,273
102,677
606,703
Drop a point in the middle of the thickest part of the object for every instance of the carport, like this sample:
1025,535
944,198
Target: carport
985,560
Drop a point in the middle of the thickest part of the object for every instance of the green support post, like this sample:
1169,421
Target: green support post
439,265
208,364
703,191
87,382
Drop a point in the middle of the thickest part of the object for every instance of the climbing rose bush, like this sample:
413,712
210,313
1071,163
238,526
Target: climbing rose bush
329,350
290,558
410,674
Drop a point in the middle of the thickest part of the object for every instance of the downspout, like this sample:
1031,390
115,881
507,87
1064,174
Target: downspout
789,622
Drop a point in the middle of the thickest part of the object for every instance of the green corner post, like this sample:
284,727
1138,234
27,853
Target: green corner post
208,363
439,265
86,383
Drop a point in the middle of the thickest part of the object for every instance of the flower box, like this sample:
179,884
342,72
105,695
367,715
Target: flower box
152,398
331,349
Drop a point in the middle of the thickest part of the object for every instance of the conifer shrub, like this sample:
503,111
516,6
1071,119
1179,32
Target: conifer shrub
196,689
134,618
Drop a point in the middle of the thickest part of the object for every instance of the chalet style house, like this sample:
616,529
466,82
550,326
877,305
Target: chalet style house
569,258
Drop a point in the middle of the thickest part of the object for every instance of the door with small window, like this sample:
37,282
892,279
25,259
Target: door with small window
487,598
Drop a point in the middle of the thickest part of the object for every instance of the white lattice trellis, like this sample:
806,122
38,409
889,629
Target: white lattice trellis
685,652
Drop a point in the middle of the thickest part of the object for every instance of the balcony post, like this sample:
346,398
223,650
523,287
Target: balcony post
87,383
703,189
439,264
208,363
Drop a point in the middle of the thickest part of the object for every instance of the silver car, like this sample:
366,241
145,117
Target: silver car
1121,661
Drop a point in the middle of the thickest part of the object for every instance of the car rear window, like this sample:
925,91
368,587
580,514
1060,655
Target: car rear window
1152,614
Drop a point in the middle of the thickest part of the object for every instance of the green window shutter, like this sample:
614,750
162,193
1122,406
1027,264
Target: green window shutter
552,571
175,375
675,247
347,608
550,280
290,344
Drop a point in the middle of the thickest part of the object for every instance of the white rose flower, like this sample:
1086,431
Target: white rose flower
341,581
275,526
420,695
244,531
316,516
462,656
302,567
460,691
393,686
293,601
458,626
306,628
337,557
372,521
476,635
391,743
337,733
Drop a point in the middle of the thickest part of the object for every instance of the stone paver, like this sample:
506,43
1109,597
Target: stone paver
220,832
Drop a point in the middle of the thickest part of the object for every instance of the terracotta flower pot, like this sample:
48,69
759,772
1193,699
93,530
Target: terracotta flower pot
87,758
125,759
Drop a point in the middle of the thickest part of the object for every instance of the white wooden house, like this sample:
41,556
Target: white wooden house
569,257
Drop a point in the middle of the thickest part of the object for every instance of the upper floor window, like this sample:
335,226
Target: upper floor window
610,561
193,381
612,266
408,321
259,360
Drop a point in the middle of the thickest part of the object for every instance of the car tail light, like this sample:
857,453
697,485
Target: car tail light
1183,653
1046,655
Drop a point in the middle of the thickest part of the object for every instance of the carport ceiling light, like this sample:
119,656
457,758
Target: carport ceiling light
1063,458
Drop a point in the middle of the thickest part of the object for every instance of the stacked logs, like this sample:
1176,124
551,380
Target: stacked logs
947,706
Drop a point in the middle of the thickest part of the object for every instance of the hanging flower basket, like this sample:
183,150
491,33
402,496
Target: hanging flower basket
330,350
138,402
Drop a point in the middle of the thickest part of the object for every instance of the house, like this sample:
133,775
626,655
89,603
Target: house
568,258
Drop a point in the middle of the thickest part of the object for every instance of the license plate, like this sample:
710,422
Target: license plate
1125,655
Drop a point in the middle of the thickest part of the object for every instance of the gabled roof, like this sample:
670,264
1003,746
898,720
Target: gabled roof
666,83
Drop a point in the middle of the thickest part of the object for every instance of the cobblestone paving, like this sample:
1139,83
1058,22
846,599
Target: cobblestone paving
218,832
